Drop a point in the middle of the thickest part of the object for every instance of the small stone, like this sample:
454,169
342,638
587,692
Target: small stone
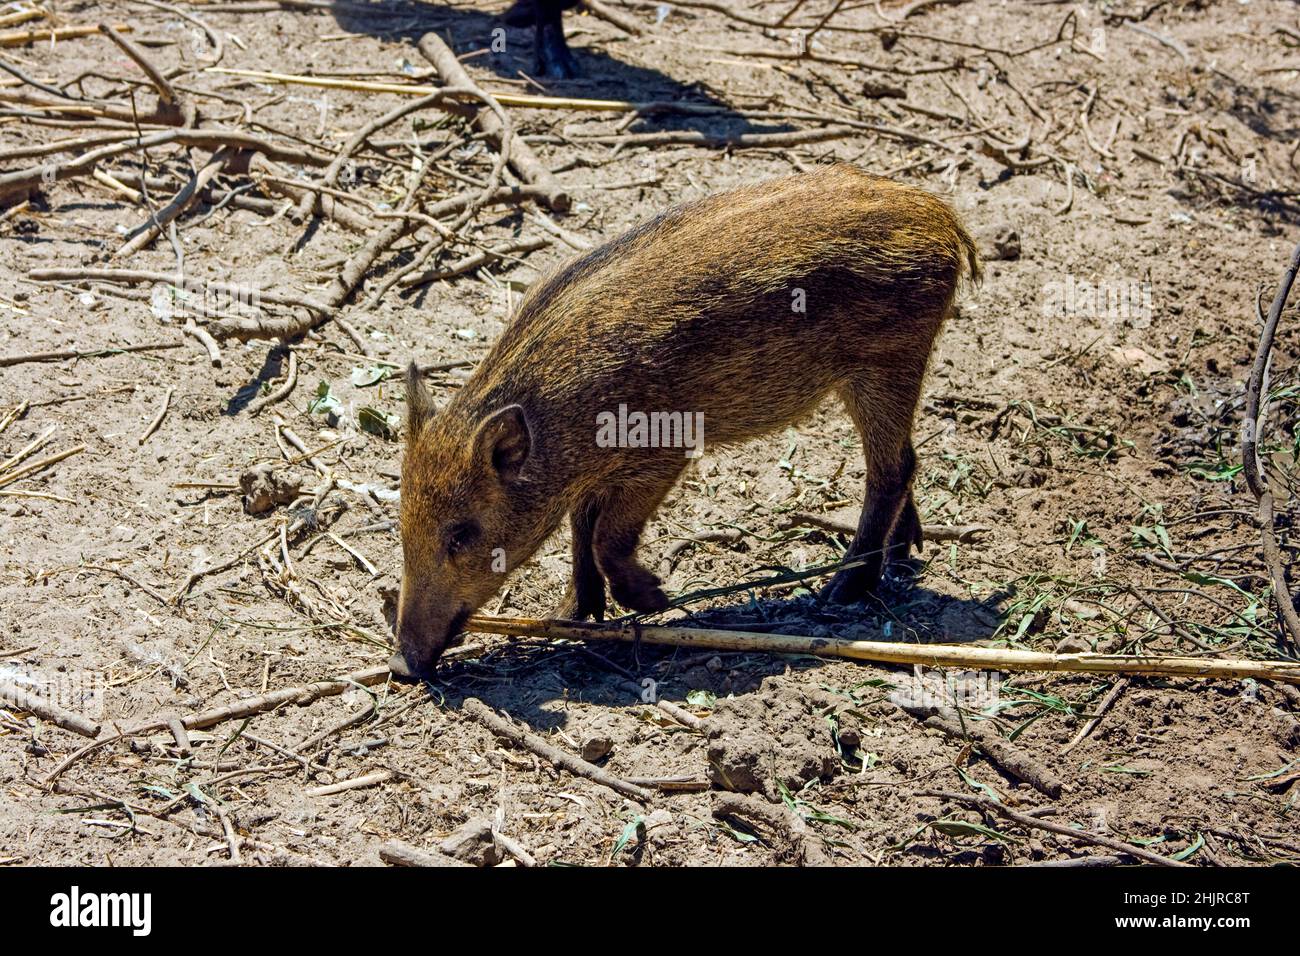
472,843
596,747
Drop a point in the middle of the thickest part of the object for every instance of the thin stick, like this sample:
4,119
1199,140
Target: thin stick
574,764
24,37
260,704
1083,836
411,89
281,393
932,655
160,83
1253,426
15,413
157,419
27,449
682,716
8,360
200,335
354,783
41,465
1111,696
182,201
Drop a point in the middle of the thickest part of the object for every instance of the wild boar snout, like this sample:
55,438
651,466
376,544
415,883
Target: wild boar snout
425,628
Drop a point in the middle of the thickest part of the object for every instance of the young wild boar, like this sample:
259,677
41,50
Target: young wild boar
734,315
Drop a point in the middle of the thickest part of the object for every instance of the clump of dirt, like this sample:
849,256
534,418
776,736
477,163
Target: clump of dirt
265,486
771,738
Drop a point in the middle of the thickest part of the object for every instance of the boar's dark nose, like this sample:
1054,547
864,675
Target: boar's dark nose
400,669
418,656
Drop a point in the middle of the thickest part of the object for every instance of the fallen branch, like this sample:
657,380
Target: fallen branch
37,176
16,697
157,420
930,655
522,159
353,783
575,765
168,100
1111,696
41,465
24,37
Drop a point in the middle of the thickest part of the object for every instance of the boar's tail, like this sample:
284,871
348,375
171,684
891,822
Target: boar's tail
974,270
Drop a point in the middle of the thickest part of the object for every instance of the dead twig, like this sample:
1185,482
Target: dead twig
494,124
1253,423
1001,753
157,419
1111,696
8,360
573,764
1083,836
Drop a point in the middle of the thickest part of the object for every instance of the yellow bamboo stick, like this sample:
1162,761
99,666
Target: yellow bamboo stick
23,37
931,655
21,16
411,89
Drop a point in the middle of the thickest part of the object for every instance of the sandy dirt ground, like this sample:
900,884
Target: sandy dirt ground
1129,171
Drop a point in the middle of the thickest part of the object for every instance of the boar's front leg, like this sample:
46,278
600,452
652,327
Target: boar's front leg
585,597
622,517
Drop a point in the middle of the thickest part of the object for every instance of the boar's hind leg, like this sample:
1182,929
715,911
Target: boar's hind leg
883,414
622,517
585,596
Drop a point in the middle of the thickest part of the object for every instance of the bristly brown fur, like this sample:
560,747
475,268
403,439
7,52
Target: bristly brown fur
747,307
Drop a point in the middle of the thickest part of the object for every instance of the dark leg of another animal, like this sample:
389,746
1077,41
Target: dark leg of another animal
622,518
585,596
554,61
883,416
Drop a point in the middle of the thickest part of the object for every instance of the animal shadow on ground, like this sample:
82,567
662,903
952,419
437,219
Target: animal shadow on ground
471,34
531,681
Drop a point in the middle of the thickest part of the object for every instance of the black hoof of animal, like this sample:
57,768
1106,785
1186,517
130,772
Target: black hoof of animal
558,67
848,588
554,61
571,609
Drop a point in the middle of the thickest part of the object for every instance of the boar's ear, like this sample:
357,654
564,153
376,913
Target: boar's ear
504,441
419,403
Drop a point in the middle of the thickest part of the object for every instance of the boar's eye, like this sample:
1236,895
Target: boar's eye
461,537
